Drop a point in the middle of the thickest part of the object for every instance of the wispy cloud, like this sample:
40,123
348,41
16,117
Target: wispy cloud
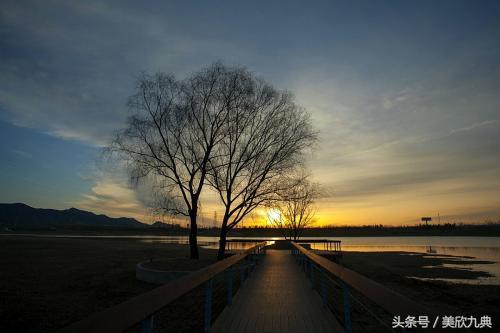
474,126
390,103
22,153
113,198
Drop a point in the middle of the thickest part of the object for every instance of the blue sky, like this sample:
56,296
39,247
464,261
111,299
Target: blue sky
404,93
35,167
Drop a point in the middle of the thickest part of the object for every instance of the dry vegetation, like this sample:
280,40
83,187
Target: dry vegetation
47,283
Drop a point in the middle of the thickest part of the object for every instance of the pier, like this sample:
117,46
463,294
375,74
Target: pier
263,290
277,299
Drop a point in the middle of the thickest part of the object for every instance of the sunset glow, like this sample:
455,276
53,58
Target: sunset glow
407,113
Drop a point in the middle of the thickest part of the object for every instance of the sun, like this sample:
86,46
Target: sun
273,214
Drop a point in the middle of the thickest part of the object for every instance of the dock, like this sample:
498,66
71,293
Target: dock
277,298
263,289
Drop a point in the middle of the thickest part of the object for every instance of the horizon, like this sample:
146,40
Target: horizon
212,225
404,95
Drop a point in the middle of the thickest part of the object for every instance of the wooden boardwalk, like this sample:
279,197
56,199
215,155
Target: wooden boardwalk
276,298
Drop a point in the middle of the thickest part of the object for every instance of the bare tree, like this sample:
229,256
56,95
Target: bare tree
295,210
265,136
171,136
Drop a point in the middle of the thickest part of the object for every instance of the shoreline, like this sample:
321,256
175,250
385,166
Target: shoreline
149,233
418,277
440,230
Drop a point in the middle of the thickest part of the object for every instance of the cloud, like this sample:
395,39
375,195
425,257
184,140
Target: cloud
474,126
71,66
112,196
413,180
393,101
22,153
389,103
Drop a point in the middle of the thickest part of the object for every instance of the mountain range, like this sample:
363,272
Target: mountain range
22,216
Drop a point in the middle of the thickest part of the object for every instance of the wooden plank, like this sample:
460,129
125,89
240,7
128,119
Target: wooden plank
277,298
284,328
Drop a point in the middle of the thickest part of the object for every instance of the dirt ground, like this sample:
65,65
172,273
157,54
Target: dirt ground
48,283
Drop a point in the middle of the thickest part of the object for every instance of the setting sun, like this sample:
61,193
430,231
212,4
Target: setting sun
272,214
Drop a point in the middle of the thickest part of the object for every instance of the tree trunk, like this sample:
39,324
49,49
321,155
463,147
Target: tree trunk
222,243
193,240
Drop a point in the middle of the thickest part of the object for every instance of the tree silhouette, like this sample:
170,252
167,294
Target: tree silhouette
266,135
171,135
295,210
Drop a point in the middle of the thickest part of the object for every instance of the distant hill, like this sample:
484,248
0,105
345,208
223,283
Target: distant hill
21,216
163,225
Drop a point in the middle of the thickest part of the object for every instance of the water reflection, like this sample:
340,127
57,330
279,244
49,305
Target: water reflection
465,248
208,243
463,254
482,248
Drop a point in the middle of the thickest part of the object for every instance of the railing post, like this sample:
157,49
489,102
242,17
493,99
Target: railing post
147,325
311,273
347,310
323,287
208,306
242,274
229,273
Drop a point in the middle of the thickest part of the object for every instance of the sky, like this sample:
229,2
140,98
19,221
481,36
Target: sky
405,95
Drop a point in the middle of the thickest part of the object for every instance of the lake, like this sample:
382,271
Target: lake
482,248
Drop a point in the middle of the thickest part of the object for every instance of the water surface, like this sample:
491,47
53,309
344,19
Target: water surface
468,248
